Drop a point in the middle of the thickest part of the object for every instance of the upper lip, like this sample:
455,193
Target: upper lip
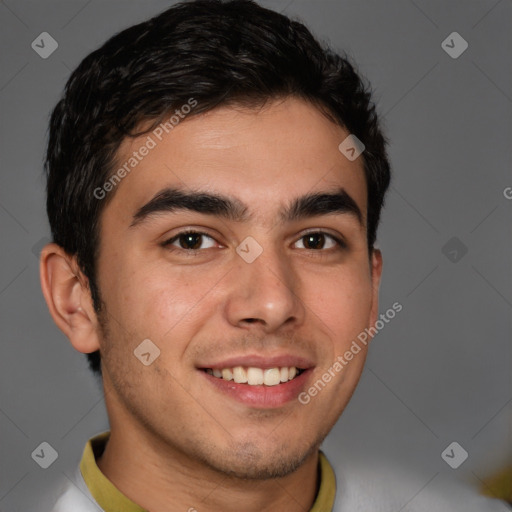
260,361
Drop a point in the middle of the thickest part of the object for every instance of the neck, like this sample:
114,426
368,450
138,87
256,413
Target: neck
155,476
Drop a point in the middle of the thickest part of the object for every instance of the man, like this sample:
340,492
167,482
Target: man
215,181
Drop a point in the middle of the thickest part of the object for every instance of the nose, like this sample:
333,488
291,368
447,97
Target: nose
264,294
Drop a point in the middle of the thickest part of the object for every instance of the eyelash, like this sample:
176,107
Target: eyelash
194,252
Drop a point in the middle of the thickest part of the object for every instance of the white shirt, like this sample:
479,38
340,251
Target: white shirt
358,490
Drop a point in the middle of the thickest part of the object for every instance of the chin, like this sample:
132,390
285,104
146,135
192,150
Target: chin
249,461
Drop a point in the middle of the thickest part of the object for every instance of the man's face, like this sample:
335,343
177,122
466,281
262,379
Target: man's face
209,306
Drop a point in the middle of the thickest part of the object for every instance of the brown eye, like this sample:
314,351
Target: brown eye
314,241
318,241
191,241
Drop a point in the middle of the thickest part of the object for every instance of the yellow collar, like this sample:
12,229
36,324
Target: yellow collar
499,485
111,499
108,496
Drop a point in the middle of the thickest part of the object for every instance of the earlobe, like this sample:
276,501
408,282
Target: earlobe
376,269
67,295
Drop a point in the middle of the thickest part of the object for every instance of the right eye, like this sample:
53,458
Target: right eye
190,241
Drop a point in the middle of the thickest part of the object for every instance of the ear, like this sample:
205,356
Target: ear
376,270
67,294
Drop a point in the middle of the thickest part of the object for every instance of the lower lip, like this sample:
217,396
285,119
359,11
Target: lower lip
263,397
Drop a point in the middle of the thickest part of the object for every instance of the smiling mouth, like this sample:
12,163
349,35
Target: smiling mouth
253,376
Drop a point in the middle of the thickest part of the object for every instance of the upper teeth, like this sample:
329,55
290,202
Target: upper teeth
256,376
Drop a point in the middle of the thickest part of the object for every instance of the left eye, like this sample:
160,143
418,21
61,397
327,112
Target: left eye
315,241
191,240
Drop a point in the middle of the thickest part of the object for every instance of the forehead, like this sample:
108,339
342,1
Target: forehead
264,157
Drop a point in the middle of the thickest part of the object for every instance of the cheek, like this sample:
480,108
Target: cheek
159,301
342,301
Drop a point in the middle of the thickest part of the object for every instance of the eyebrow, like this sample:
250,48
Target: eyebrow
170,200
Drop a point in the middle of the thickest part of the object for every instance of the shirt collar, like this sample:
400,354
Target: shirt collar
111,499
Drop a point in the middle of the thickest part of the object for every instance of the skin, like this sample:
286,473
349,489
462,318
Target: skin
173,436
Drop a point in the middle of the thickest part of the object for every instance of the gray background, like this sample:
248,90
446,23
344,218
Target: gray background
439,372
